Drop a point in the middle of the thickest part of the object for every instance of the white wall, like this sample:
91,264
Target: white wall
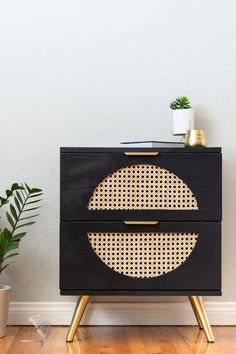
94,73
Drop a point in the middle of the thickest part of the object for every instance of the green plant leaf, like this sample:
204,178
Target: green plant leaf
7,234
35,195
17,203
19,197
18,237
4,267
28,188
11,222
28,223
10,255
15,186
12,246
180,103
35,201
3,200
8,193
35,190
24,211
29,217
24,193
13,211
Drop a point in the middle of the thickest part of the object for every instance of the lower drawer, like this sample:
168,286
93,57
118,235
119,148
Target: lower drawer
115,258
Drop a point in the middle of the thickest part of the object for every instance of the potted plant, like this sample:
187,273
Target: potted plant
183,115
22,201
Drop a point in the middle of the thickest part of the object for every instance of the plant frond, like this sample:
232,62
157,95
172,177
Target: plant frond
22,196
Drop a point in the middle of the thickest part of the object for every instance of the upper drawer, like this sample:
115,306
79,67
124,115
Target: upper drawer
108,185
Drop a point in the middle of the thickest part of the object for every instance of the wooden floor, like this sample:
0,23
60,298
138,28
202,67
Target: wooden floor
120,340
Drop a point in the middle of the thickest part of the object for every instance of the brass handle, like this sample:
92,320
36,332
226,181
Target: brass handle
141,153
126,222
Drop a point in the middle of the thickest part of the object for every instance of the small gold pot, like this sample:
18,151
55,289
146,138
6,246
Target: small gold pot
195,137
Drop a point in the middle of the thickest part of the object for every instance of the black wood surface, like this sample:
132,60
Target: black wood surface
183,149
80,292
82,171
82,271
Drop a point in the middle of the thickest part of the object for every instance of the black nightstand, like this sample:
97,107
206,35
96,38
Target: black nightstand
141,222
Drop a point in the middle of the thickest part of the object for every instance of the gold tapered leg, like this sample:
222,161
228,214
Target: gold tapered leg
77,316
195,311
201,313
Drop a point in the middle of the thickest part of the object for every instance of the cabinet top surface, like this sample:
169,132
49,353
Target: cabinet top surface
124,148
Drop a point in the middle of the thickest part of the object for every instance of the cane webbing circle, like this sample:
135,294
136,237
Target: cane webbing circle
143,255
142,187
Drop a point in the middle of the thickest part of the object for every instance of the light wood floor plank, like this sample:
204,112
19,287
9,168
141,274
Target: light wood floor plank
120,340
151,342
6,342
134,340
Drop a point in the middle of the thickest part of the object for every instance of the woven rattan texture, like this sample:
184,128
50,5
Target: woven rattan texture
143,255
142,186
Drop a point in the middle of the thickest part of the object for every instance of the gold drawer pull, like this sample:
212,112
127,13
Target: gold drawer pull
126,222
141,153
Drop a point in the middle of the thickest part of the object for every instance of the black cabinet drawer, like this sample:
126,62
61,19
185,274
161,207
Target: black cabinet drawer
108,185
115,258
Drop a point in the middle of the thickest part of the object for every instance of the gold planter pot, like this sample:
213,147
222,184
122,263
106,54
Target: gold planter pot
195,137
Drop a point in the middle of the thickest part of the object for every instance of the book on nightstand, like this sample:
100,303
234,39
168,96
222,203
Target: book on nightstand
152,143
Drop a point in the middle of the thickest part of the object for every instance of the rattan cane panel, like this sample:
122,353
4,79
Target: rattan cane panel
142,187
143,255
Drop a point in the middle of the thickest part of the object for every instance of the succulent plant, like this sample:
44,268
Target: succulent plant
180,103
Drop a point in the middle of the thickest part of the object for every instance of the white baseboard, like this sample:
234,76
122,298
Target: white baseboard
60,313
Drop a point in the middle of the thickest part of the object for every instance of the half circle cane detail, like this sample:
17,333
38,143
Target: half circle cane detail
143,255
140,187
